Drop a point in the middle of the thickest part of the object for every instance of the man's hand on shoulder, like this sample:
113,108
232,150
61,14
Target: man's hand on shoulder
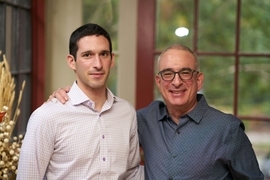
60,95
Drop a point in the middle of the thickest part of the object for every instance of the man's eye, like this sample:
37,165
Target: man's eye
104,54
86,55
167,73
185,72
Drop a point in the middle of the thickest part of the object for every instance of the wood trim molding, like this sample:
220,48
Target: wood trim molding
145,53
38,53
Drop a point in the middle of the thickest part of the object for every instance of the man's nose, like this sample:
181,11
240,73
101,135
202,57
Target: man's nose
177,79
97,62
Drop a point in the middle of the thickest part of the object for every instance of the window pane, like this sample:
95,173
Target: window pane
8,34
12,1
218,82
24,3
255,29
25,40
171,15
105,14
254,78
2,28
217,22
15,41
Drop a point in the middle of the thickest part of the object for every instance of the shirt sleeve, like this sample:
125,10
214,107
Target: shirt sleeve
135,171
243,163
37,147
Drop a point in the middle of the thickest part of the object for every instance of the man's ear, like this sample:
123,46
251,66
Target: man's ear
200,78
158,80
112,63
71,62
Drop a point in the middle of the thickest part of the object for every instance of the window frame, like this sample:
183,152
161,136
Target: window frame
146,53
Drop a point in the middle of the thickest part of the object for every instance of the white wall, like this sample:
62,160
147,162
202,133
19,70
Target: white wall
127,35
62,18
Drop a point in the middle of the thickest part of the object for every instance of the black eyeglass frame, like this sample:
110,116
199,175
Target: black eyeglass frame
179,73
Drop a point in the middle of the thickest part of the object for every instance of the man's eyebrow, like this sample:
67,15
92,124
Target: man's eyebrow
170,69
105,51
185,68
167,69
88,51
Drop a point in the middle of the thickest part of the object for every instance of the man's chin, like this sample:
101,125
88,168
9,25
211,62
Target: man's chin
177,102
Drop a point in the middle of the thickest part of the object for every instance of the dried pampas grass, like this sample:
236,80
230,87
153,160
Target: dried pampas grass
9,112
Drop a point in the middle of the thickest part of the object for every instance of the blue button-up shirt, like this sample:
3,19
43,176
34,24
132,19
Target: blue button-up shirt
206,144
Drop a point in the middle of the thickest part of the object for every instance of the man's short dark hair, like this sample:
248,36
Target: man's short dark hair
86,30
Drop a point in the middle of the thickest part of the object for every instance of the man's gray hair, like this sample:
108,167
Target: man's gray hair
184,48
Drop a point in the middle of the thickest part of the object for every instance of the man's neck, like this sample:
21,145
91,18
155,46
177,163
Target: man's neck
178,111
99,98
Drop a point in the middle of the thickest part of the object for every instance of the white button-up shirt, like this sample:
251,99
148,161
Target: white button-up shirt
74,141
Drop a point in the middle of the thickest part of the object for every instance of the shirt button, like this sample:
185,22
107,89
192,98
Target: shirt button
104,159
170,178
173,155
103,136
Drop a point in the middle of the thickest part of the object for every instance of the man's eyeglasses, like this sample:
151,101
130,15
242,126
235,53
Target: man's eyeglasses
184,74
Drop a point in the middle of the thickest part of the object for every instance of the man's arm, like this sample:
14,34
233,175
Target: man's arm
134,171
60,94
37,148
243,160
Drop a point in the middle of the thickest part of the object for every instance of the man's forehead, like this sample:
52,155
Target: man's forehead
177,61
93,38
177,53
178,56
92,43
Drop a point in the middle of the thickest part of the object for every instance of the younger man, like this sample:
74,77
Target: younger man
94,134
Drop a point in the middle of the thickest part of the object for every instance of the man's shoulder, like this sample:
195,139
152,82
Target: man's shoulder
50,109
152,107
221,114
214,111
121,100
123,103
224,118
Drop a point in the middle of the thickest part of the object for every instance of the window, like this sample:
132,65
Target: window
15,43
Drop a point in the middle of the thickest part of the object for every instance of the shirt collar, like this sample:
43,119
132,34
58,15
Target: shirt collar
195,114
199,110
77,96
162,113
